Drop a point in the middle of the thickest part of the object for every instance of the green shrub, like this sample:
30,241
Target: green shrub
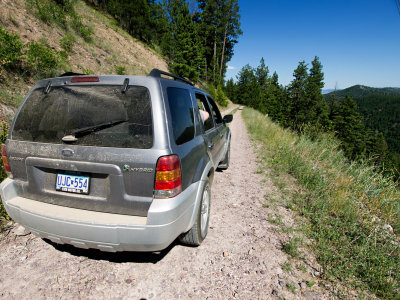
87,71
11,100
49,11
11,47
67,42
211,90
31,58
121,70
292,247
61,12
3,213
217,94
287,267
3,138
291,287
220,97
3,174
63,55
42,60
85,31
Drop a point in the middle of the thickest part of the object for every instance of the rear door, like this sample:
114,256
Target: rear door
211,134
181,120
220,128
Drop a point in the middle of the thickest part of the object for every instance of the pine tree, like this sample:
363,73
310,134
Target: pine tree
376,146
133,15
262,73
286,108
219,21
185,46
317,113
333,107
230,90
297,96
160,27
275,95
248,89
349,128
197,37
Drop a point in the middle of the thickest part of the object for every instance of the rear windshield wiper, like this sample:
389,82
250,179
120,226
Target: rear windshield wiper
87,130
101,126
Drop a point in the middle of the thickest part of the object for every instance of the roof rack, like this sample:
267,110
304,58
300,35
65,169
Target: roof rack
71,74
158,73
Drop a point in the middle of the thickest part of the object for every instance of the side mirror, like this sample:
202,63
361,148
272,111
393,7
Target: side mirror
228,118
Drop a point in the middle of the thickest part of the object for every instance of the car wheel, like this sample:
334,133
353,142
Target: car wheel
199,231
223,165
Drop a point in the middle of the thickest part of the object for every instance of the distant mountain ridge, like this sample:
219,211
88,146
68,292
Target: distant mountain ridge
327,91
360,91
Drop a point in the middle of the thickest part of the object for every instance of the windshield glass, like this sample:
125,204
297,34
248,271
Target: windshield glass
94,115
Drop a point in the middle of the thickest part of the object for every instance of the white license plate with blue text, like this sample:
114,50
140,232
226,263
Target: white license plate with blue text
72,183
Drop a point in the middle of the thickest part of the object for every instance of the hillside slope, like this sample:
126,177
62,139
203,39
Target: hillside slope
110,50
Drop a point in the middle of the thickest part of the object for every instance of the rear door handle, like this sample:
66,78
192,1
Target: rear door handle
211,145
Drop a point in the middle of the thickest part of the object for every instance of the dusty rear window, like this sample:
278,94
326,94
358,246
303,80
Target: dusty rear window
87,115
181,108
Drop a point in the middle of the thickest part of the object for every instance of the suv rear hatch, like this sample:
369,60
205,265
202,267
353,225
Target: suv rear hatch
85,146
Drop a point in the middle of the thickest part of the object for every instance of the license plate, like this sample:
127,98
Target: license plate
72,183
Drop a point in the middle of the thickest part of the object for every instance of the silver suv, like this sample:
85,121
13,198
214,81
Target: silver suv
116,163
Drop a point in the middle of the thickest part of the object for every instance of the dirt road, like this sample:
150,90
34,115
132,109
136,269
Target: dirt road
240,258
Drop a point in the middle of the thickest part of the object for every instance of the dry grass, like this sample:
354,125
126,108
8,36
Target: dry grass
353,211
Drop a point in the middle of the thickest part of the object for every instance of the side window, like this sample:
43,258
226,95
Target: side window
215,110
203,105
181,108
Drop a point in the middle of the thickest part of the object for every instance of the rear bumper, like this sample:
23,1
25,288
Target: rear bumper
166,220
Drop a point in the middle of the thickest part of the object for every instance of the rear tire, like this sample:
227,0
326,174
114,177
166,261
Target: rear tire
199,231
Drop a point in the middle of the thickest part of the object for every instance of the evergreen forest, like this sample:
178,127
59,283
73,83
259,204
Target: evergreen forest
380,108
363,119
196,37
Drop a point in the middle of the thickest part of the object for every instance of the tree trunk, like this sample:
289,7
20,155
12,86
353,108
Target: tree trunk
215,55
205,71
222,56
215,78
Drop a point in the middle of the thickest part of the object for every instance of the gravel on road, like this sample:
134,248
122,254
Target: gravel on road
241,258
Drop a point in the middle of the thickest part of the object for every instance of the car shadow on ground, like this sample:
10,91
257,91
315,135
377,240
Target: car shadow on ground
117,257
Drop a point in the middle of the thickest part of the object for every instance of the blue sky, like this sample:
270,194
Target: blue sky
357,41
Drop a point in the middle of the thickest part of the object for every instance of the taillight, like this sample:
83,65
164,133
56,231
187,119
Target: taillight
168,177
5,160
85,79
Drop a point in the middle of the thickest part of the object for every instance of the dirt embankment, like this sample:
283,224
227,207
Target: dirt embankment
111,50
241,257
111,46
